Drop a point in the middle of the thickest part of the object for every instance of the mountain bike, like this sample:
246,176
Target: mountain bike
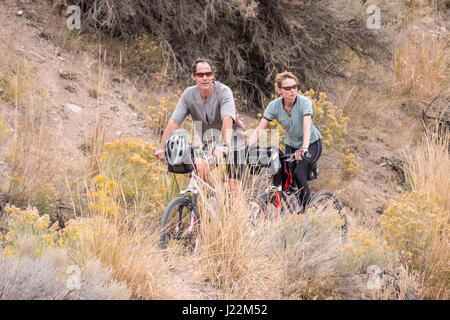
181,218
180,222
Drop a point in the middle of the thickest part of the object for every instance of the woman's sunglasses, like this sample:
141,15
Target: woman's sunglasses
289,88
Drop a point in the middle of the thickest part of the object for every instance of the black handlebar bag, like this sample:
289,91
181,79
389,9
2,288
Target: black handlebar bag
263,160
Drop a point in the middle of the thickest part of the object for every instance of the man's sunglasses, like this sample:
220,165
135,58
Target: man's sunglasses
202,74
289,88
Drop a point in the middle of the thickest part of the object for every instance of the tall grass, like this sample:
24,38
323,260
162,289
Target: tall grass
229,256
421,68
17,75
427,170
34,156
132,255
119,231
427,166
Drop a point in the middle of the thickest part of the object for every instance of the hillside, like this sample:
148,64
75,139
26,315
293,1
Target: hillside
65,95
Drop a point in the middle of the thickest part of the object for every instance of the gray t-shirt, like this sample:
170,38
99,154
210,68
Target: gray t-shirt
207,114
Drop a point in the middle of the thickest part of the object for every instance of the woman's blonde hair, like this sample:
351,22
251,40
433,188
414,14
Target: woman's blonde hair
283,76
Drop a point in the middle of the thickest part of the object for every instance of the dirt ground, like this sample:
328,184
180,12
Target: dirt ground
65,77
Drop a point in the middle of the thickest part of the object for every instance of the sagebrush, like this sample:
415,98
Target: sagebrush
249,41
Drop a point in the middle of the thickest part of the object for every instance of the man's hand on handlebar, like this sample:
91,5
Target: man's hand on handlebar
219,151
159,154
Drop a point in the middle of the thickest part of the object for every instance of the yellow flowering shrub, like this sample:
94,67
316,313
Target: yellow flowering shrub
349,164
131,169
158,116
414,225
328,119
46,199
104,199
31,233
142,57
361,250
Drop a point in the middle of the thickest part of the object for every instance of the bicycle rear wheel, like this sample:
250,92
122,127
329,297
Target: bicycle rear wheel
272,205
180,224
322,199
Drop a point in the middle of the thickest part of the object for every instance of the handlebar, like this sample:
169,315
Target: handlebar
290,157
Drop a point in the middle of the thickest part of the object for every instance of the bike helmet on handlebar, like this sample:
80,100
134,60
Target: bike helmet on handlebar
177,149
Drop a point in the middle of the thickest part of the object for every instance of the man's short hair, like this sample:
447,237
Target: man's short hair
194,65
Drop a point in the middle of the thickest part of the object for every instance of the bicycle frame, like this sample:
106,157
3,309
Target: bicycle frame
280,195
194,187
192,191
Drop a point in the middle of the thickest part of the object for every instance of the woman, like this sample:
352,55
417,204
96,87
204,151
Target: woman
294,113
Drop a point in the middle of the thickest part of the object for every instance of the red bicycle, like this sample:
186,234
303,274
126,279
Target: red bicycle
280,198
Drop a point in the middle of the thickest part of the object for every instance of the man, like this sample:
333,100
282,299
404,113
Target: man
211,103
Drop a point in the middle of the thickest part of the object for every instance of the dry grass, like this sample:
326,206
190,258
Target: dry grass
97,79
32,150
428,170
427,166
17,75
35,158
229,257
133,258
421,70
417,9
307,247
123,238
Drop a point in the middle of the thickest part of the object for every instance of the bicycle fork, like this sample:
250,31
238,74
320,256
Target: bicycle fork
193,223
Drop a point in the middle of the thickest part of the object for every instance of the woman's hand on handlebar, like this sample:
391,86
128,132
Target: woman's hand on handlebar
300,153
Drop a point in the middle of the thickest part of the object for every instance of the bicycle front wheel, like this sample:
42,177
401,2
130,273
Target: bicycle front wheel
180,224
